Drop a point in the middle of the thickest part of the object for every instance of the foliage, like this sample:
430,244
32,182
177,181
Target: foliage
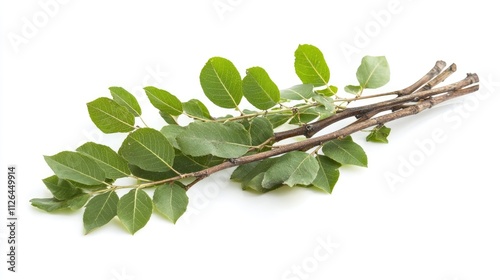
173,158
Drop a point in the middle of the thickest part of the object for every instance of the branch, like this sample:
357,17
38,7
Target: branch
409,101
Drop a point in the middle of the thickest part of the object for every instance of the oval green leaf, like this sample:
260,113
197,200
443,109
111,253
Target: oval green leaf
293,168
100,210
164,101
126,99
76,167
298,92
373,72
229,140
171,201
221,82
310,66
148,149
260,130
328,174
194,108
109,116
346,151
113,165
135,209
259,89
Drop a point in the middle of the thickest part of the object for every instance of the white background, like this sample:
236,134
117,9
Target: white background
440,222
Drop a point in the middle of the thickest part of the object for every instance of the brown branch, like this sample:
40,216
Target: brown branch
420,100
370,110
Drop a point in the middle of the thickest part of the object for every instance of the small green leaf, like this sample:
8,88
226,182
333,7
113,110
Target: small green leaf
100,210
148,149
135,209
327,102
328,174
293,168
171,201
60,189
164,101
329,91
373,72
228,140
310,66
221,82
260,130
345,151
126,99
298,92
195,108
76,167
168,118
113,165
356,90
109,116
48,204
379,134
259,89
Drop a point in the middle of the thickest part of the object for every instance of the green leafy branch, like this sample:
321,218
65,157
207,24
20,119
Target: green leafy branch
159,166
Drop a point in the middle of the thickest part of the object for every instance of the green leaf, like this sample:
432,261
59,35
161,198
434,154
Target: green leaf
168,118
54,204
221,82
149,175
78,201
135,209
187,164
148,149
228,140
251,175
110,117
259,89
100,210
373,72
113,165
298,92
164,101
328,174
356,90
310,66
260,130
171,201
379,134
304,116
76,167
195,108
293,168
345,151
329,91
60,189
126,99
48,204
327,102
278,120
171,132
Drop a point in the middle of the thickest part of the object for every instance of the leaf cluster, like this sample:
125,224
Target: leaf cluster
164,163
